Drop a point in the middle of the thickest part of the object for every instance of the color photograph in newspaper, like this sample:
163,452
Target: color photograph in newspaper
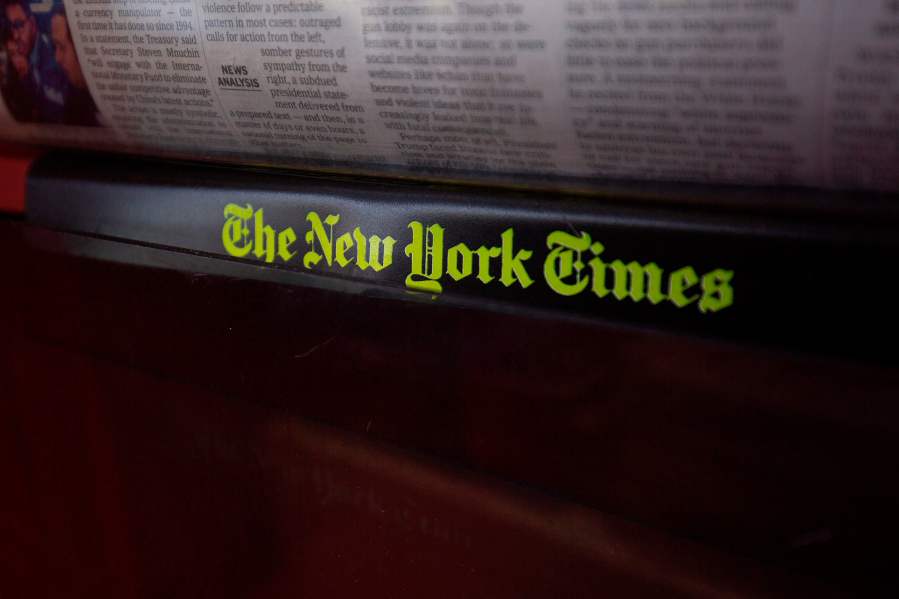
40,77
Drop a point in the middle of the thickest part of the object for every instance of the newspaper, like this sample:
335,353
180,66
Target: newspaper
793,92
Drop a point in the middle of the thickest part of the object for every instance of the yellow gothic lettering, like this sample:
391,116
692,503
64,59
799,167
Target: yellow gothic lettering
324,238
265,243
574,263
236,233
426,252
563,265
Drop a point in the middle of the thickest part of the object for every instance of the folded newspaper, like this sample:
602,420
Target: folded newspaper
573,92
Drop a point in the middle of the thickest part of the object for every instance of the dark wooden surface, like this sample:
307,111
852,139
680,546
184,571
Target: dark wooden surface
179,430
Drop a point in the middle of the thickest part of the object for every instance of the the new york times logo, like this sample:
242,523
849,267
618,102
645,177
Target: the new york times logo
574,263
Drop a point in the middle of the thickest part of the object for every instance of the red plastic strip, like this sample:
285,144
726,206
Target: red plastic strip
14,164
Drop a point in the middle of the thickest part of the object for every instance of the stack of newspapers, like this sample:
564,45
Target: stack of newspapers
697,165
550,94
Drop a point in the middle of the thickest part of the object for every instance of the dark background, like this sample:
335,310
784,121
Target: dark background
170,432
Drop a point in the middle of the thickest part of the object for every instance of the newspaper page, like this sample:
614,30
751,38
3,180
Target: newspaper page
793,92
